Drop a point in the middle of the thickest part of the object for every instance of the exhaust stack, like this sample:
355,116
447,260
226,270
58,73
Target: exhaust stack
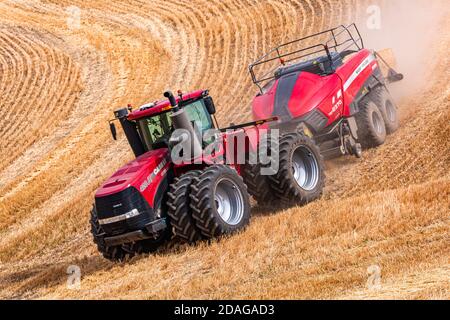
131,132
185,136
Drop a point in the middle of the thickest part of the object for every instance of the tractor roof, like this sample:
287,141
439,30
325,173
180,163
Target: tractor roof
157,107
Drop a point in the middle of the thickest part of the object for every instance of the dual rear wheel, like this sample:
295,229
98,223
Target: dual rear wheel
299,178
301,175
215,202
208,204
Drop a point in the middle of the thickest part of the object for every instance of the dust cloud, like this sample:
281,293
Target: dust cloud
409,27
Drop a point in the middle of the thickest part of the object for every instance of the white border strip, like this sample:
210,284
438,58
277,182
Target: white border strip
358,71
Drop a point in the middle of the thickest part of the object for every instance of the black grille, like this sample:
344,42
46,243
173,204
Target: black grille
119,204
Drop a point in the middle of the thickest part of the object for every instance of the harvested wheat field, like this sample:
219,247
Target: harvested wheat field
61,77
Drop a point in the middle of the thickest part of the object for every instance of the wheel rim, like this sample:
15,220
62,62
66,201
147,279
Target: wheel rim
390,111
305,168
229,201
377,123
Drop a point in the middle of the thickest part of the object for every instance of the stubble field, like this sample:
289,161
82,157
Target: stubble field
61,77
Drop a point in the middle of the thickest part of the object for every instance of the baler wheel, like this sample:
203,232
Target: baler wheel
371,127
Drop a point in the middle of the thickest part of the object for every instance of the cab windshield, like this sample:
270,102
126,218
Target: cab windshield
156,130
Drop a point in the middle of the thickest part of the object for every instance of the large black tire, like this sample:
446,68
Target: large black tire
371,127
301,175
388,108
148,245
115,253
179,209
257,184
209,195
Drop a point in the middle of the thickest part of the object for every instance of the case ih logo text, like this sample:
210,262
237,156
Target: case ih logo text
150,178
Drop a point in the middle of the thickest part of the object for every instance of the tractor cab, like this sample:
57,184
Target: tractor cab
156,197
151,126
156,130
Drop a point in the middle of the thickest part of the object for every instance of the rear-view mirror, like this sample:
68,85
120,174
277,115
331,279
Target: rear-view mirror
112,127
209,103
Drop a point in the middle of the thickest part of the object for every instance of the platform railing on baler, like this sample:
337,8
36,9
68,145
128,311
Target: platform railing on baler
342,39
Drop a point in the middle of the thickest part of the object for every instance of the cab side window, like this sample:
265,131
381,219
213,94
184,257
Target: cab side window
198,114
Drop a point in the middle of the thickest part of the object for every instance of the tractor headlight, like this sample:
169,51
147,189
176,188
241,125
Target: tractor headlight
131,214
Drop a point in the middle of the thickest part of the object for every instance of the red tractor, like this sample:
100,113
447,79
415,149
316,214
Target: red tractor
198,192
335,100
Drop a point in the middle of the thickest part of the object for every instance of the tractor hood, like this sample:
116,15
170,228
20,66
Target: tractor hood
139,173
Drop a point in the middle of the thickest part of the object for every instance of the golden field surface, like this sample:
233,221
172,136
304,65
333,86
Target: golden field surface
61,77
